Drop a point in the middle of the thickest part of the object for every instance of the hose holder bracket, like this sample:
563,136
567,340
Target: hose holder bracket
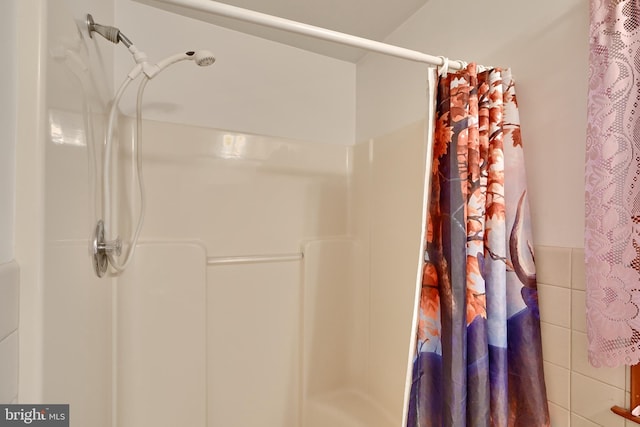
101,249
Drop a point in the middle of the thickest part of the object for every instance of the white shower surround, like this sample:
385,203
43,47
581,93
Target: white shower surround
307,342
334,328
546,36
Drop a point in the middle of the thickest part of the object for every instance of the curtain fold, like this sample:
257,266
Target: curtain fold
612,190
478,353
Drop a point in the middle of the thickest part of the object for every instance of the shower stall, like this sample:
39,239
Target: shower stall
274,281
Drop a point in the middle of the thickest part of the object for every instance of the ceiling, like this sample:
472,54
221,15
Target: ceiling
372,19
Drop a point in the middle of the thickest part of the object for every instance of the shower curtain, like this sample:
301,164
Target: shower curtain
612,190
478,355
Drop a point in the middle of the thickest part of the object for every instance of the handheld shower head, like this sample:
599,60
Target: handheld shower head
203,57
200,57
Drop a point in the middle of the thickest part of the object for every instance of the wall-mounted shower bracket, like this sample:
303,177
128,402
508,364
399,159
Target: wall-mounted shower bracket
112,34
101,249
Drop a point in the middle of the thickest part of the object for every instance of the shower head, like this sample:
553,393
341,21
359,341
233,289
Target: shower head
114,35
200,57
203,57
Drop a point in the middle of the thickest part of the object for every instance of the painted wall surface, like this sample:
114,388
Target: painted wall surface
255,86
546,45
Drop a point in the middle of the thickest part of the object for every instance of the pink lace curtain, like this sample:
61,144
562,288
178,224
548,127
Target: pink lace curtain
612,184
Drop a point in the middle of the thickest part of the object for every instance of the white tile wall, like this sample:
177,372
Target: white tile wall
560,416
579,395
578,421
580,363
593,399
553,266
578,278
556,344
558,382
555,311
578,307
9,280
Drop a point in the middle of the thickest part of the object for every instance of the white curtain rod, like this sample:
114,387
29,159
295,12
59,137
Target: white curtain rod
221,9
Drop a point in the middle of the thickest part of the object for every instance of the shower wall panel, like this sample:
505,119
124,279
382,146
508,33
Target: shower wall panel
397,177
76,335
385,205
65,312
9,300
254,344
161,312
241,194
9,274
8,103
335,309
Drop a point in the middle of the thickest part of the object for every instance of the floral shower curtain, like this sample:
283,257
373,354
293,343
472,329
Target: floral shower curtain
478,355
612,190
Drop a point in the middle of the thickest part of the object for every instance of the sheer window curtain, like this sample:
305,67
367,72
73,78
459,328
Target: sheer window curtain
612,187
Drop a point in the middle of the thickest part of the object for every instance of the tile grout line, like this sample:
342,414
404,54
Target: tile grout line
571,287
571,284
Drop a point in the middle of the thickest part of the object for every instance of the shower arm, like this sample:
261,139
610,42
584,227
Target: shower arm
113,34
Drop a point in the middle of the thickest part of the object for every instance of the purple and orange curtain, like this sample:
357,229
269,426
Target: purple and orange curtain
478,358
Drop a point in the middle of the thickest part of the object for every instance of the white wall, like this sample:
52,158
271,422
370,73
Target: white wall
255,86
546,45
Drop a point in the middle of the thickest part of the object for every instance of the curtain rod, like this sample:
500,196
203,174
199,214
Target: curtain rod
221,9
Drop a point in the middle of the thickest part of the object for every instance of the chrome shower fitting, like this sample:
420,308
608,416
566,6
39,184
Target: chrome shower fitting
102,249
113,34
